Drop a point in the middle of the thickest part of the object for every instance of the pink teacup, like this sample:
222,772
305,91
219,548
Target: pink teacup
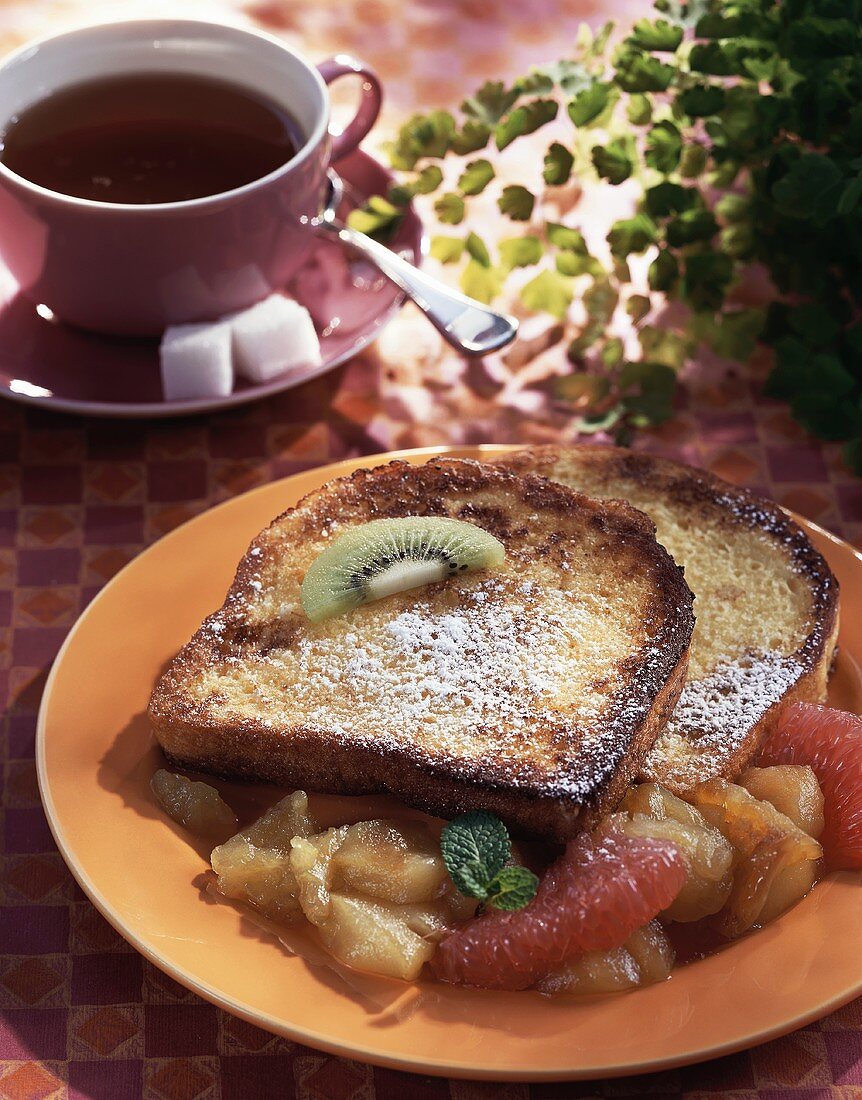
134,269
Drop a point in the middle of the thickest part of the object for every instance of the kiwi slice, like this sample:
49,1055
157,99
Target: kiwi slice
385,556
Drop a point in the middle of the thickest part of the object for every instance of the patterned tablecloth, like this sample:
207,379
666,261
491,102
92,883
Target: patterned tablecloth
82,1014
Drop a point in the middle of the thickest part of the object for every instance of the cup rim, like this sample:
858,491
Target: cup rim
312,142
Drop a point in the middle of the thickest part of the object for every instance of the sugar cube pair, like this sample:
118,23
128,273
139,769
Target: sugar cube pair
259,343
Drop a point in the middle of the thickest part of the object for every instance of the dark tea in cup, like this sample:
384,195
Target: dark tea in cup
146,138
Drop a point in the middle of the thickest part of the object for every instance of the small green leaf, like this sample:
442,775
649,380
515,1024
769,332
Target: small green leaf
448,250
428,180
639,110
490,103
613,161
525,120
733,208
663,148
558,165
690,226
477,248
475,177
519,252
612,353
481,282
377,218
475,848
589,104
600,301
549,292
578,263
662,345
702,100
669,198
638,306
653,386
693,161
632,235
472,136
851,196
639,72
449,208
512,888
705,279
660,35
563,236
663,272
516,202
811,189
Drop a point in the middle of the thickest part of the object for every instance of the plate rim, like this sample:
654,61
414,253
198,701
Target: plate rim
170,410
319,1040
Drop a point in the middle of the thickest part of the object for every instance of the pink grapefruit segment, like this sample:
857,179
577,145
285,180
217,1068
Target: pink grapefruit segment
593,898
830,742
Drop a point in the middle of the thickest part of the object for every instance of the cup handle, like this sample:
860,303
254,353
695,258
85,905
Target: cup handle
369,104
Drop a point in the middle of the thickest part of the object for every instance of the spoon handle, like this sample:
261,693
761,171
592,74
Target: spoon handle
469,326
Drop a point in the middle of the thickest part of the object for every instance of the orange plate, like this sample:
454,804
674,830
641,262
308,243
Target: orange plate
96,757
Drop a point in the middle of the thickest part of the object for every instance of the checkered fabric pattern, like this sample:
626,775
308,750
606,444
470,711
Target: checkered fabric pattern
82,1014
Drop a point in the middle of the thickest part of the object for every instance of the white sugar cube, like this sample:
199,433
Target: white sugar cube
272,337
196,361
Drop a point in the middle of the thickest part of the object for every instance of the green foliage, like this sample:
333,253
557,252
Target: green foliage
738,126
476,850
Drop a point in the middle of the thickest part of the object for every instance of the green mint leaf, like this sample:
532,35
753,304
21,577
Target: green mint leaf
525,120
662,345
639,72
613,161
477,248
558,165
639,110
713,58
512,888
490,103
563,236
448,250
638,306
702,100
481,282
475,177
661,36
632,235
663,147
693,161
472,136
663,272
589,105
422,136
549,292
669,198
449,208
733,208
475,848
516,202
519,252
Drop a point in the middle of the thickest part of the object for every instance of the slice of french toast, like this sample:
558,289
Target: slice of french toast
766,602
533,690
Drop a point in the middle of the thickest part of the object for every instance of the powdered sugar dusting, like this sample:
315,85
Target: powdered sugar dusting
714,715
505,675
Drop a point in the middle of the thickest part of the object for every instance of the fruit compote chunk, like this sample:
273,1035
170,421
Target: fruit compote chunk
646,957
776,863
254,866
198,807
652,811
793,790
377,892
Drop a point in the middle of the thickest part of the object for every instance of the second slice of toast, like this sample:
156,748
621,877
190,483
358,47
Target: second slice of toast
534,690
766,602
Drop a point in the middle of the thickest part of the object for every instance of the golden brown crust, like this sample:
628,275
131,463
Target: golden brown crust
538,522
700,496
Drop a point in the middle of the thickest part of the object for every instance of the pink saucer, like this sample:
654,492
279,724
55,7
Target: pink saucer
46,363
